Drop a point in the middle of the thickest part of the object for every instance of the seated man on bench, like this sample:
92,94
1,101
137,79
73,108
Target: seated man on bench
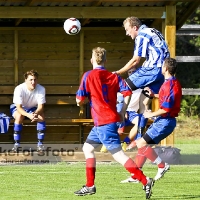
28,102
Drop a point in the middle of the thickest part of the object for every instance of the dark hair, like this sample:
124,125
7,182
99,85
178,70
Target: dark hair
170,64
31,73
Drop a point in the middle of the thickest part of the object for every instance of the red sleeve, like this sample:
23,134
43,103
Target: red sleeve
126,93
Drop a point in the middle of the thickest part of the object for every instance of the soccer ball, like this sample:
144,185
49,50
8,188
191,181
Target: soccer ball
72,26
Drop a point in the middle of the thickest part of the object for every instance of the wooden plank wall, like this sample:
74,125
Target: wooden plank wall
119,47
57,57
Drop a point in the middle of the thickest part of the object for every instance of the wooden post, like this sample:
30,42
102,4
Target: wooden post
81,66
81,60
155,104
170,29
16,49
170,37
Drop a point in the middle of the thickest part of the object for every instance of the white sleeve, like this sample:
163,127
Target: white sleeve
41,99
17,97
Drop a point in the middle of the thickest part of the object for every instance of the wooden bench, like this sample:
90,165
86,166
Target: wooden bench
66,122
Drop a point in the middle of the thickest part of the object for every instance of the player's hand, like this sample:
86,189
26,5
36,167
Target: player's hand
148,114
149,92
116,72
34,117
34,120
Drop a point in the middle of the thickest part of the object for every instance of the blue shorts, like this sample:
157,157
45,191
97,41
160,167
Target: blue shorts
131,115
159,130
146,76
128,120
106,135
13,109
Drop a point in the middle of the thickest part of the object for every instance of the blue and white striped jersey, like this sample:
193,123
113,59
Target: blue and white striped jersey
151,45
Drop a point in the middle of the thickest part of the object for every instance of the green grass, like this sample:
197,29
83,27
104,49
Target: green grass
187,138
59,181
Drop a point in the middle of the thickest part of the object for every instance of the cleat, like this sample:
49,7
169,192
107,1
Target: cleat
103,149
132,145
162,171
40,148
148,188
124,146
85,191
130,180
15,148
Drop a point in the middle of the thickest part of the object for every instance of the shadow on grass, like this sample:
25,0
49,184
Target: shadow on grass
190,159
178,197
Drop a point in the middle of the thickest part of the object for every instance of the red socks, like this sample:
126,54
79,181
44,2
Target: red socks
133,169
129,165
148,152
90,171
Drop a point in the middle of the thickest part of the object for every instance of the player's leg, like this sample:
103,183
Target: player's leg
136,173
143,77
89,146
141,104
132,120
134,135
17,128
119,106
159,130
110,138
41,129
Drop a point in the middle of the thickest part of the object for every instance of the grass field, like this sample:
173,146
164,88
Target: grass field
59,181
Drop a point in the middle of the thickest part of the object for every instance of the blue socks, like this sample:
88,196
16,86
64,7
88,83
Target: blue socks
41,126
17,132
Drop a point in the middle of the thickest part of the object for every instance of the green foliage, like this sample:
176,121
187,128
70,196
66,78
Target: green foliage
195,17
190,105
189,73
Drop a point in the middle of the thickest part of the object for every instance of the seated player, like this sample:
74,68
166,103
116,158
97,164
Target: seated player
28,102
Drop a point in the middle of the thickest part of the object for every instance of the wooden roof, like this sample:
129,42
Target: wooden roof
91,13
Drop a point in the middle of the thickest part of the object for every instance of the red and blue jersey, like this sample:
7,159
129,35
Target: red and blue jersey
170,95
101,87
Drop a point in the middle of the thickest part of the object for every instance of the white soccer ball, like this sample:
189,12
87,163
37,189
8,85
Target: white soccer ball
72,26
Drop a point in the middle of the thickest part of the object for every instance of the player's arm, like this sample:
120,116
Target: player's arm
40,109
149,114
41,100
127,97
38,113
135,60
81,94
125,104
126,92
148,92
